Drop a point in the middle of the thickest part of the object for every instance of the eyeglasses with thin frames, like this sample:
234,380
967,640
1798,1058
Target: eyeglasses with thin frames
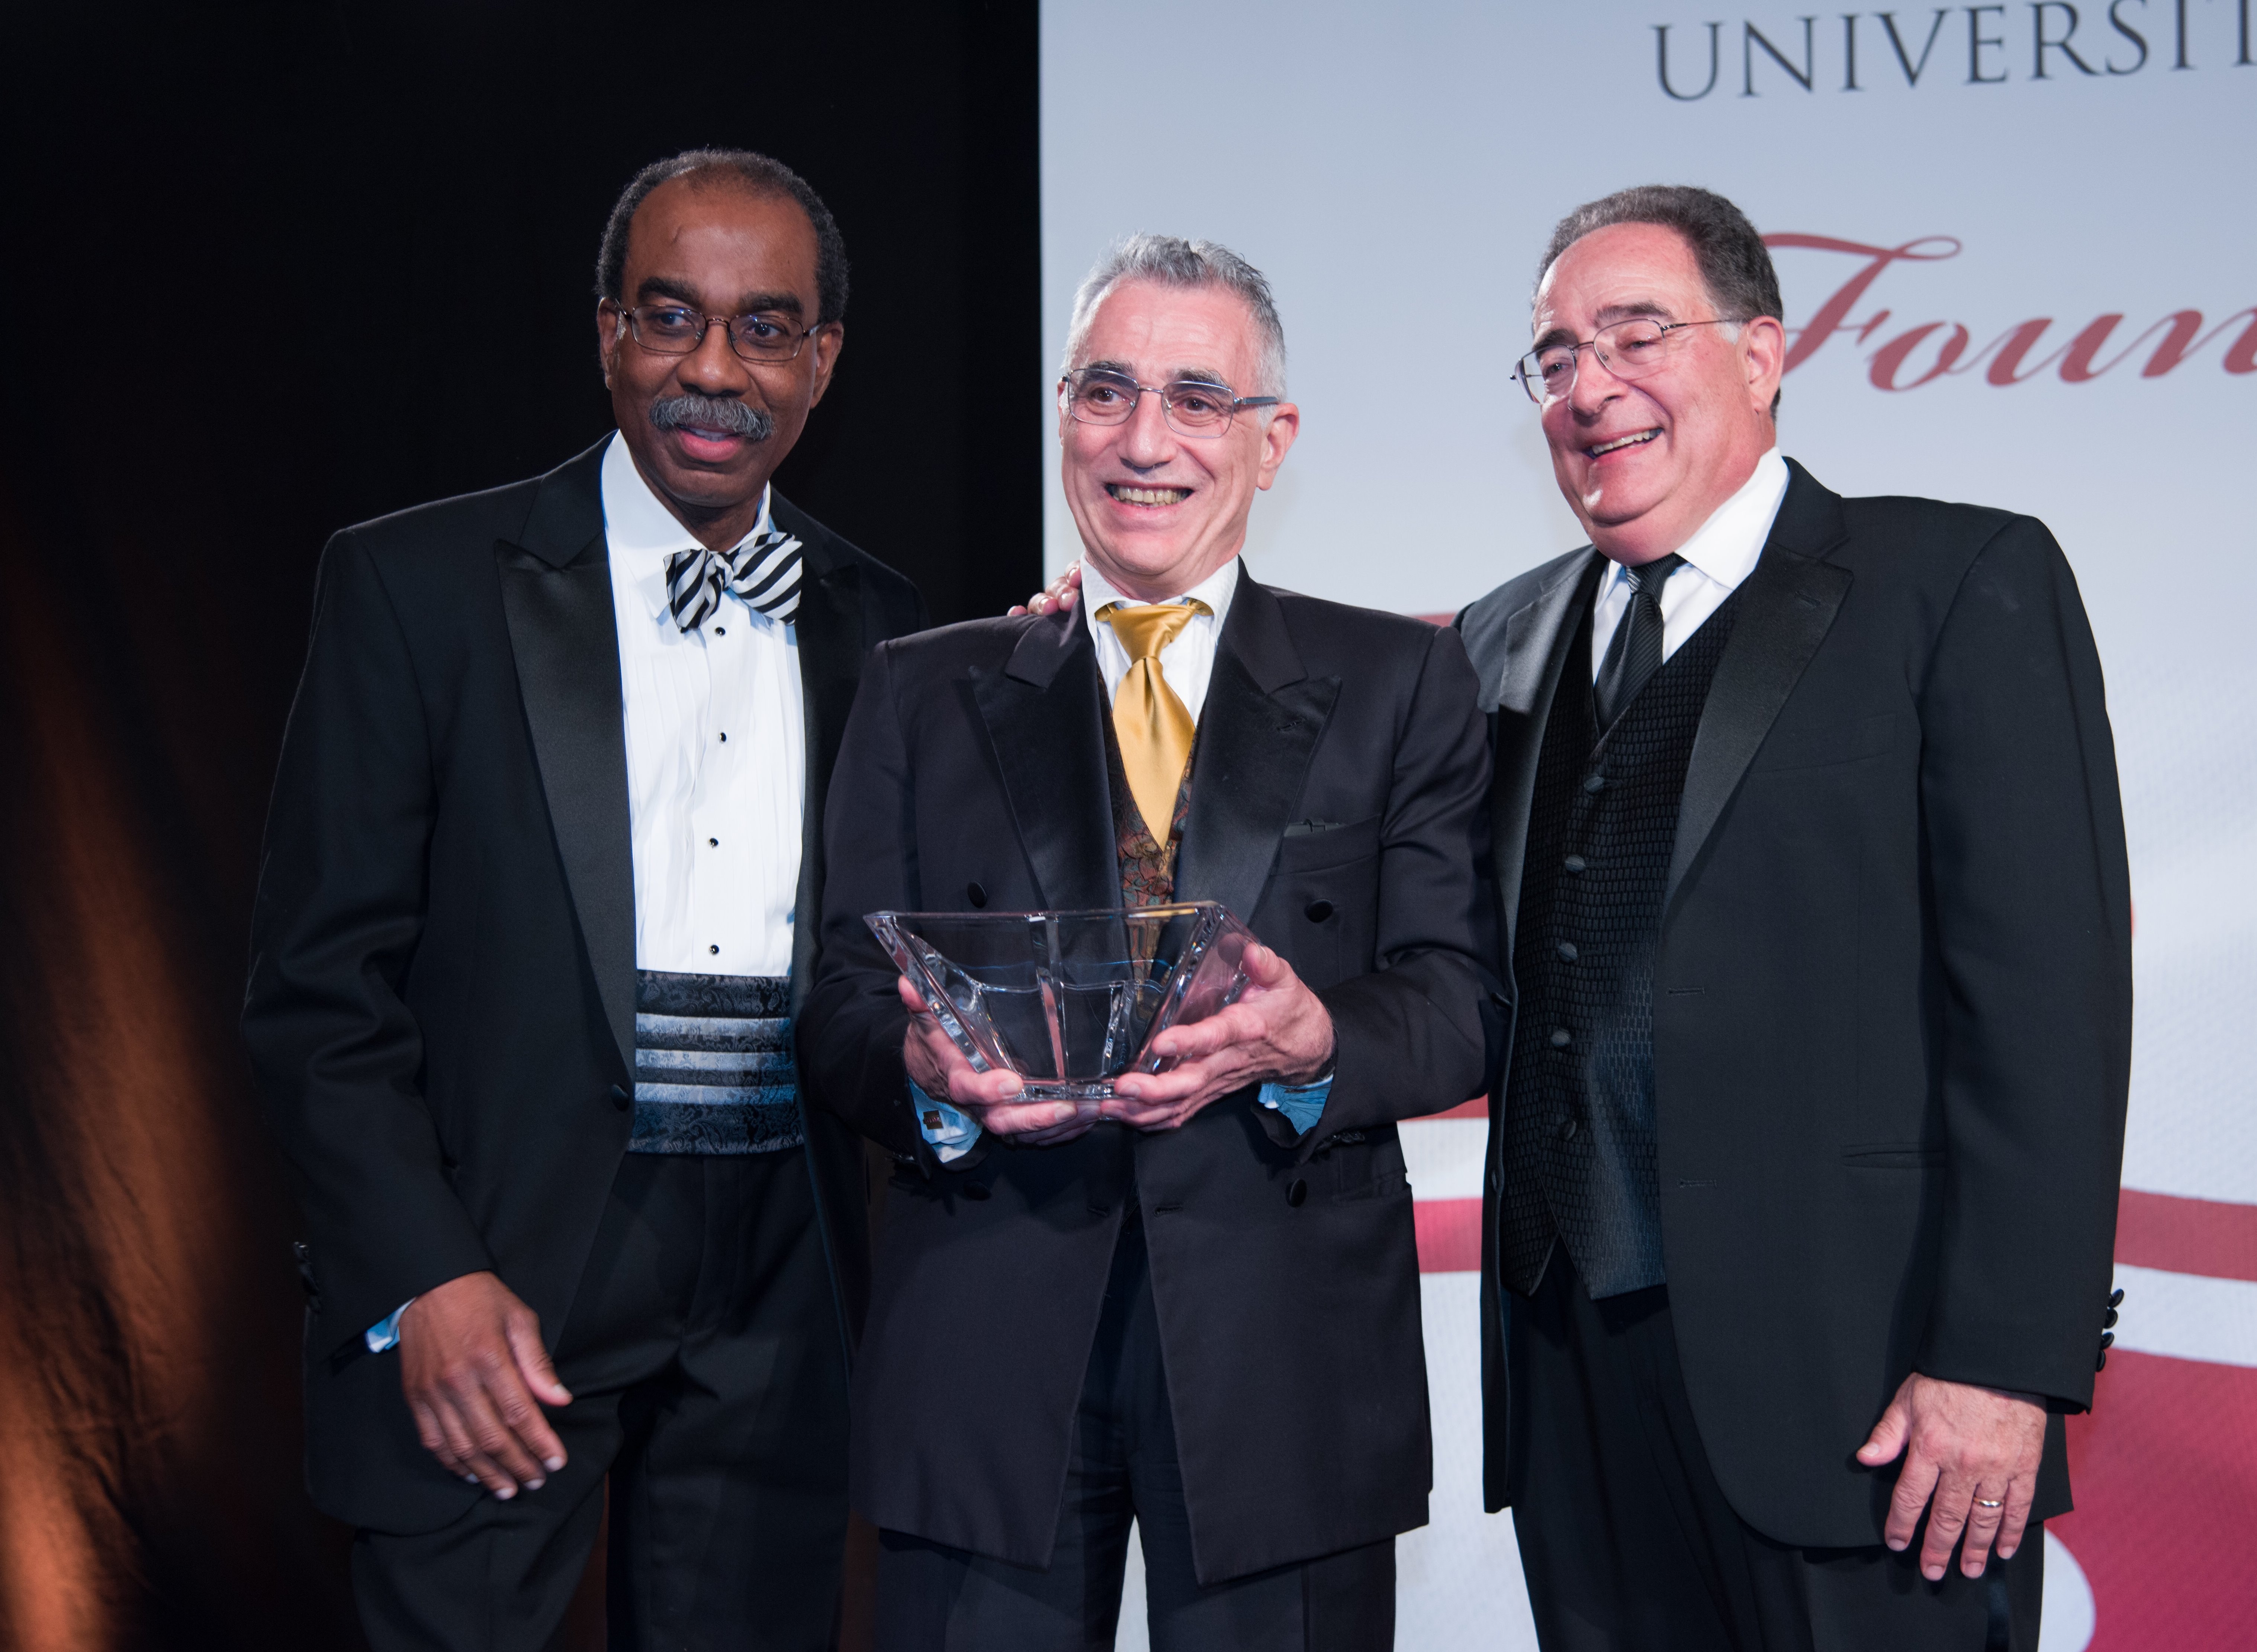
1195,407
676,330
1630,349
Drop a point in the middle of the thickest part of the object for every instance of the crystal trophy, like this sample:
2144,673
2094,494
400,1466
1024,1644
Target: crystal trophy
1069,1001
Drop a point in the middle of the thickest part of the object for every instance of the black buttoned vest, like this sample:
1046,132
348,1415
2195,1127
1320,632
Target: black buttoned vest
1580,1160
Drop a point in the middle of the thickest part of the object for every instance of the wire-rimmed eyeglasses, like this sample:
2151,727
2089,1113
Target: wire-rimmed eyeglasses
676,330
1631,349
1195,407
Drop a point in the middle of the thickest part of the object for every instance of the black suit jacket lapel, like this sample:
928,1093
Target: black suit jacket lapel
1536,641
1042,712
1260,727
557,596
1786,607
831,644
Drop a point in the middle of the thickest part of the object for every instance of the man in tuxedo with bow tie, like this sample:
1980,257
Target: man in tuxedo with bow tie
536,912
1813,898
1194,1307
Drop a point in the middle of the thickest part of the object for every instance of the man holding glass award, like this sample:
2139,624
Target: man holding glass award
1186,1295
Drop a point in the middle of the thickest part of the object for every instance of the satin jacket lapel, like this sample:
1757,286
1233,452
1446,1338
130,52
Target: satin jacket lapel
1537,639
831,644
1785,608
1042,712
557,596
1257,732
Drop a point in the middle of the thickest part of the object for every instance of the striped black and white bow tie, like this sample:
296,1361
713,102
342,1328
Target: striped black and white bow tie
764,571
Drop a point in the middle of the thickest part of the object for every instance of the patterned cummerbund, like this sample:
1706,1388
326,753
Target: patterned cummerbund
714,1064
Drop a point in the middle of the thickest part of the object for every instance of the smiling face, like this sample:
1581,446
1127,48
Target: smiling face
1644,463
1159,512
719,249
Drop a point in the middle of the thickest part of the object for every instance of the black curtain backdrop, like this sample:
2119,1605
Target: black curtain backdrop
271,270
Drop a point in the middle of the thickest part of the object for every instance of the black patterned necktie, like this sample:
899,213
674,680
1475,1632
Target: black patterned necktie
764,571
1635,652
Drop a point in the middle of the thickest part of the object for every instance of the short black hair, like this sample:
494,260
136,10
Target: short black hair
1734,264
763,175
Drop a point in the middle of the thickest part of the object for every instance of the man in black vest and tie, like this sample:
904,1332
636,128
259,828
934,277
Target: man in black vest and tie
1811,879
537,911
1196,1308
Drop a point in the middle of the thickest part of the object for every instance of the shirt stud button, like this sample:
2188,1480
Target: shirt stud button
725,740
712,843
716,951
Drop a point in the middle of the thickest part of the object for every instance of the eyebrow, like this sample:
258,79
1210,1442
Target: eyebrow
1126,370
750,304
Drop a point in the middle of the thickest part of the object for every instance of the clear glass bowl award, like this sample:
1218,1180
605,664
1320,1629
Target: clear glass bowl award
1068,1001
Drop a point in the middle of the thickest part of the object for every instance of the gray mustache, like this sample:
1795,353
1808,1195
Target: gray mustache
712,412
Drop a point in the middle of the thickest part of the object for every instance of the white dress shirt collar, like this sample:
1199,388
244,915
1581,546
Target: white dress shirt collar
1187,663
1726,546
1723,552
1216,590
641,533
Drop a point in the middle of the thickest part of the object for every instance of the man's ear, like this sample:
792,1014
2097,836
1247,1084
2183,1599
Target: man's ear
1278,438
610,325
829,341
1763,348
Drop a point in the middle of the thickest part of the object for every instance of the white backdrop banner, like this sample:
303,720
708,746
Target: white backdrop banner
2016,242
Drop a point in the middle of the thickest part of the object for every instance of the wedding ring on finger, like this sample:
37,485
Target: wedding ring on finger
1990,1502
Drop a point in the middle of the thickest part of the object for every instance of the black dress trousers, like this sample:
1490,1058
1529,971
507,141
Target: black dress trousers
702,1354
1628,1545
1123,1469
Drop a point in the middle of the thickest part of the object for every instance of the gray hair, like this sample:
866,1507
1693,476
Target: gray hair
1172,261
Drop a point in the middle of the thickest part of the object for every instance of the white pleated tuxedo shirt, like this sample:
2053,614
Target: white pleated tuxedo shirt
716,759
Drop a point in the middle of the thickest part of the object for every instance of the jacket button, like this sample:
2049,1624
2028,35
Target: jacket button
975,894
1496,1182
620,1099
975,1191
1561,1038
1576,863
1317,912
1595,783
1298,1195
1568,1128
1568,950
303,1252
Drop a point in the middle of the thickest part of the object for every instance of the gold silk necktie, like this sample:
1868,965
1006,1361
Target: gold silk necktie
1153,727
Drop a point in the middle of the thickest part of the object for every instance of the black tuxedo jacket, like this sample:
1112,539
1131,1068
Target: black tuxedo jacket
1337,791
1893,1002
440,1011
